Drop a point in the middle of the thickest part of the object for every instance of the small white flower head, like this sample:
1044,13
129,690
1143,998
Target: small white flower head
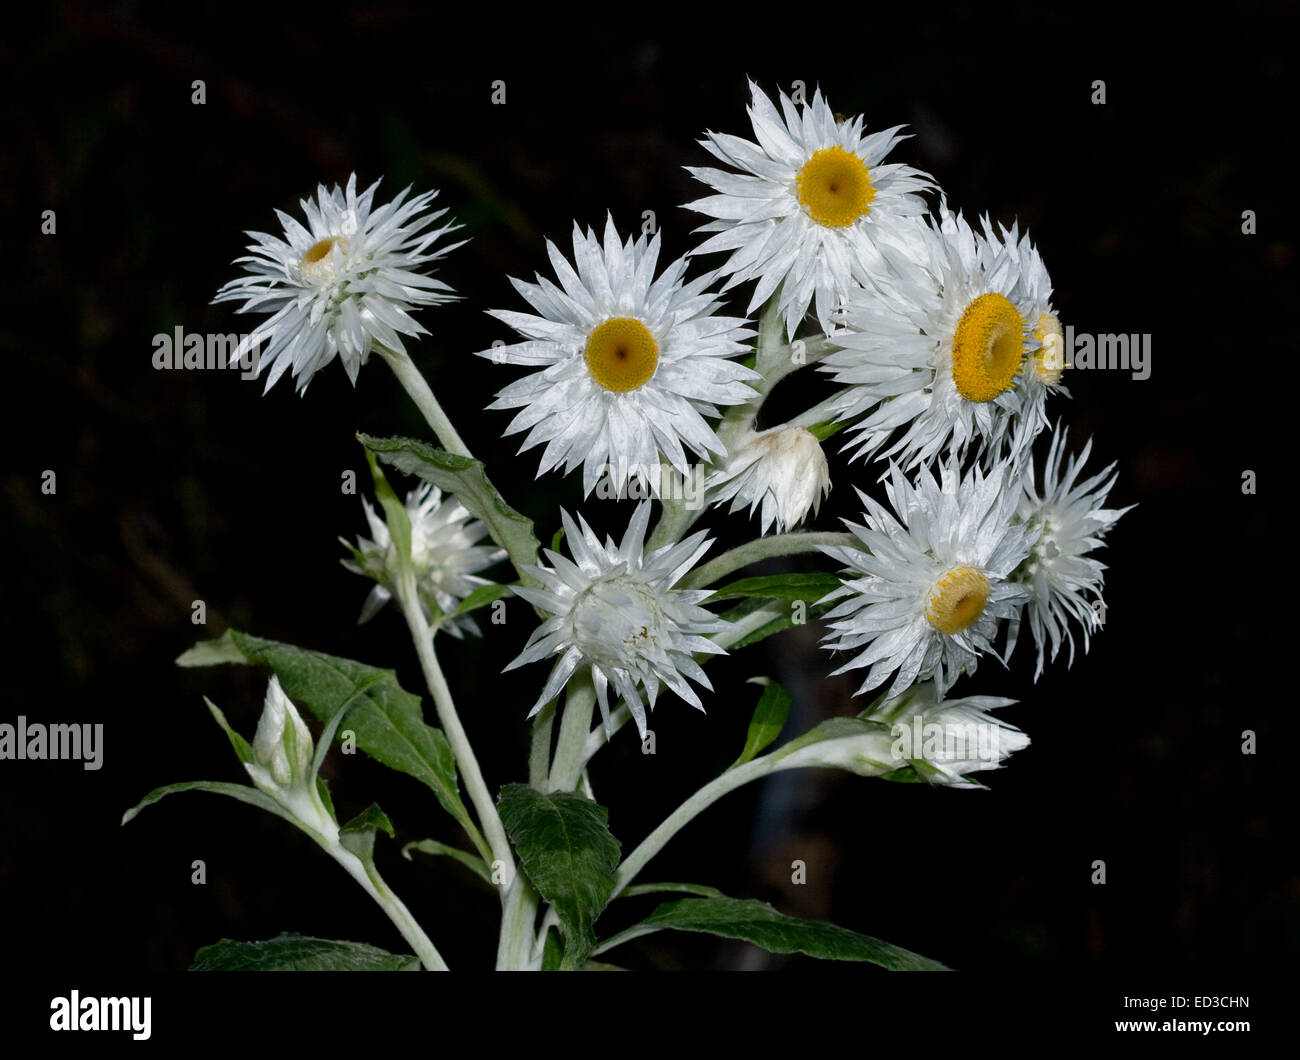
1064,580
628,366
927,590
946,353
945,740
445,558
812,199
783,469
341,286
614,609
282,747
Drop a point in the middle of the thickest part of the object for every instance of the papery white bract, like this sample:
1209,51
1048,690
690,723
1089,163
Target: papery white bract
614,610
926,593
281,766
811,201
783,469
1064,580
343,284
445,558
936,356
630,366
944,740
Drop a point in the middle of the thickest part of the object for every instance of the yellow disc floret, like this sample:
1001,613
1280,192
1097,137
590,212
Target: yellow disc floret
958,599
835,187
319,256
621,354
988,348
1049,358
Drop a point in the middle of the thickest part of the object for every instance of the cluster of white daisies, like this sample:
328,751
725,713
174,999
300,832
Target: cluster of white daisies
940,340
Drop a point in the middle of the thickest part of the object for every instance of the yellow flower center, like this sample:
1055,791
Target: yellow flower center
1049,358
621,354
958,600
988,348
835,187
319,256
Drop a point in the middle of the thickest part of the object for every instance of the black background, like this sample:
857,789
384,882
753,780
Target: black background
180,486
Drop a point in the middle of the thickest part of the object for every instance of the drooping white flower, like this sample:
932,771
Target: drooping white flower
628,366
912,735
935,356
929,588
944,740
614,610
783,469
806,211
445,558
343,284
1064,580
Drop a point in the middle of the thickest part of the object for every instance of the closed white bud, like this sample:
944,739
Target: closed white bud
783,469
282,747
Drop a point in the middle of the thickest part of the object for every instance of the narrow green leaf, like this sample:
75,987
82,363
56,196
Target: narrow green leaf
758,923
466,478
299,953
698,889
395,513
568,854
782,620
552,951
479,597
387,720
358,835
769,719
242,792
436,849
806,587
240,745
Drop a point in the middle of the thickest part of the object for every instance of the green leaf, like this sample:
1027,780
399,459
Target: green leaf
358,835
757,922
466,478
552,951
299,953
782,619
769,719
395,514
568,854
240,745
242,792
433,847
388,721
806,587
698,889
480,597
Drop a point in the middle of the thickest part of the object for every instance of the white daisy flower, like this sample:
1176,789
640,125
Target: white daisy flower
928,589
935,355
1064,580
805,212
614,609
630,366
784,469
341,286
445,558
